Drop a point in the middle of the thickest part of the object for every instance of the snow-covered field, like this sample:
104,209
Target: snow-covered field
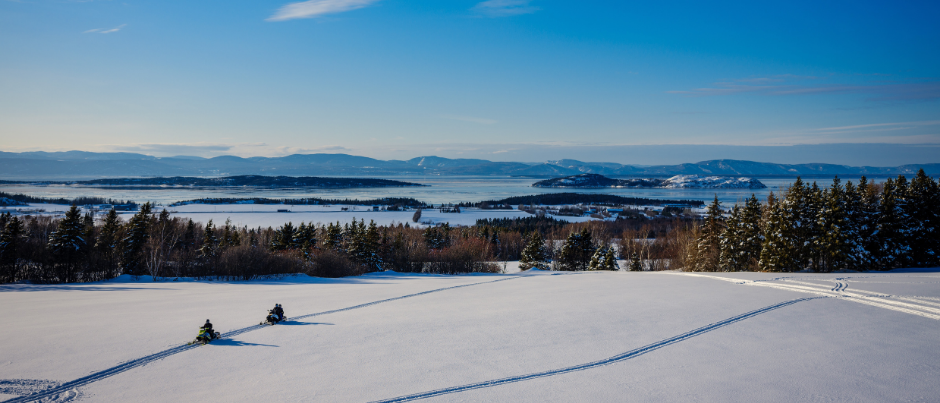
531,336
267,215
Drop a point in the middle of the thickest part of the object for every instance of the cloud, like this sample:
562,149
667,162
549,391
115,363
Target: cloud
891,91
482,121
880,126
216,149
167,149
504,8
316,8
105,31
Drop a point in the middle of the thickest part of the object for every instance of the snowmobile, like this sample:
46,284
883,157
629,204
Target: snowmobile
205,336
272,318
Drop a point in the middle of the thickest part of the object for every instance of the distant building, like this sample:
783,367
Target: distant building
126,207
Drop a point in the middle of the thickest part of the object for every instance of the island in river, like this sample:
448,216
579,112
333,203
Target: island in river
675,182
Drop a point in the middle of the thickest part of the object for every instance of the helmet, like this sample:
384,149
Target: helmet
207,320
277,305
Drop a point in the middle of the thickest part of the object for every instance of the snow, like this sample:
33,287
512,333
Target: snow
530,336
710,182
266,215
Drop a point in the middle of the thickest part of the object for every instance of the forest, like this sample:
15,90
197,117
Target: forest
864,226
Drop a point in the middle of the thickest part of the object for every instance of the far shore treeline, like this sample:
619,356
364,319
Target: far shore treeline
863,226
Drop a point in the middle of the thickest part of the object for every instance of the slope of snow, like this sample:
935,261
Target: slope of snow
534,336
712,182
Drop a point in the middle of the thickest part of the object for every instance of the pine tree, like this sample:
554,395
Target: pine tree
107,242
576,252
370,248
856,255
210,242
635,263
810,253
533,255
11,240
889,235
776,253
136,236
832,245
597,260
867,223
68,244
333,238
283,237
923,209
709,241
750,234
731,254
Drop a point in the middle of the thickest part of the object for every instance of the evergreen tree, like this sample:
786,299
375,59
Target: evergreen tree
370,256
333,237
731,243
776,253
107,241
635,263
709,241
867,223
11,240
810,252
856,255
210,242
533,255
283,237
832,244
577,251
68,244
750,234
136,236
923,210
890,237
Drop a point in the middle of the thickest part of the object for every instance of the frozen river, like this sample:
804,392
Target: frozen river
439,189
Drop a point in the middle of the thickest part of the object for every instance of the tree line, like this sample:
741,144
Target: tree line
80,248
868,226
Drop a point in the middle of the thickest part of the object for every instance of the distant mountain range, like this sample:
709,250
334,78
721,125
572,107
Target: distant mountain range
74,165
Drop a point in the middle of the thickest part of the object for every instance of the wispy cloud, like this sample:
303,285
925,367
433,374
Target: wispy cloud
881,126
316,8
105,31
782,85
203,149
504,8
482,121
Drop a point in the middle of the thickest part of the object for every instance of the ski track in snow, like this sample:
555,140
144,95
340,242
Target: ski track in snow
914,305
52,391
607,361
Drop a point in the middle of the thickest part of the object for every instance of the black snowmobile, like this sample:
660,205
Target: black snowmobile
272,318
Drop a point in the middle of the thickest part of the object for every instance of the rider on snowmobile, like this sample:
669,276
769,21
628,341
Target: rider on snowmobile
279,311
208,328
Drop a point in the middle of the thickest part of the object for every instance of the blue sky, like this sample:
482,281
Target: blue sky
498,79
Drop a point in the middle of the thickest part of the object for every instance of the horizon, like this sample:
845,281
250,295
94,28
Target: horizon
651,155
502,80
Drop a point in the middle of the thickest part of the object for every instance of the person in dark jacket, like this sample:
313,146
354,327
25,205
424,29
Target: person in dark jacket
279,311
208,327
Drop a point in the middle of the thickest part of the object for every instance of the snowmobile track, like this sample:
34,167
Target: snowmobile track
97,376
607,361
